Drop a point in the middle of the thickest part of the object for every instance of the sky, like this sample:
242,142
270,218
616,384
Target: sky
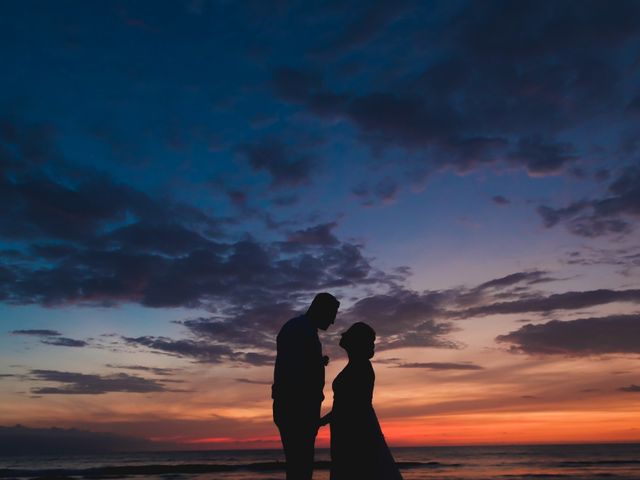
180,178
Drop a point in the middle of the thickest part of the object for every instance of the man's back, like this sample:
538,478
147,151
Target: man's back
299,370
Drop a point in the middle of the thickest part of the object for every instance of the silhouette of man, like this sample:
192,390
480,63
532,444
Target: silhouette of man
298,381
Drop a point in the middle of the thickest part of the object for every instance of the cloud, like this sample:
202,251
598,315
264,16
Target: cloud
386,190
383,191
202,351
403,318
285,200
418,122
155,370
52,337
613,334
541,157
65,342
396,363
253,382
73,383
42,207
528,277
626,258
500,200
37,332
26,144
203,273
317,235
244,335
558,301
247,328
283,163
164,239
296,85
609,214
500,81
631,388
88,239
441,366
401,120
368,21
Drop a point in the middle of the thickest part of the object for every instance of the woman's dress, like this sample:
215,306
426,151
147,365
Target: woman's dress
358,448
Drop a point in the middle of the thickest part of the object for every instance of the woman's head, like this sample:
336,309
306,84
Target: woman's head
358,340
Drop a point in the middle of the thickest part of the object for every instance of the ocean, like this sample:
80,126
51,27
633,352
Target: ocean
584,462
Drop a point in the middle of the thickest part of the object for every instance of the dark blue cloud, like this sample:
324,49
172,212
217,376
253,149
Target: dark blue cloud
541,158
493,84
500,200
581,337
73,383
613,213
317,235
527,278
284,164
164,155
557,301
84,237
37,332
65,342
52,337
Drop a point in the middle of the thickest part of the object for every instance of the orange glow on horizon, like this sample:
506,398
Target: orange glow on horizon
473,429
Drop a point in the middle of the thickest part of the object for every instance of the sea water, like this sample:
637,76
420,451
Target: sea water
584,462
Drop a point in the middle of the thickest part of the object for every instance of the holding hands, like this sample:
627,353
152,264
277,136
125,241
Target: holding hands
325,420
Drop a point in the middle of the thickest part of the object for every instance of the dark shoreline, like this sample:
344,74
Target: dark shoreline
517,462
262,467
118,471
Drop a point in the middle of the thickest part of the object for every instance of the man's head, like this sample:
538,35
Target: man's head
323,310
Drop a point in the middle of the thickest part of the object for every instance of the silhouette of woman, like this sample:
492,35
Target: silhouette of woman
358,447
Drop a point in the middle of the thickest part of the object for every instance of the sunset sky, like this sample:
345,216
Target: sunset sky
179,178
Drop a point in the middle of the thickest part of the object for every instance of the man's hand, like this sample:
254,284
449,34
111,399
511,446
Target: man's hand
325,360
325,420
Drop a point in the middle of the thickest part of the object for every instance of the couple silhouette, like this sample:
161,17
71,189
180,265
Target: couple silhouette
358,448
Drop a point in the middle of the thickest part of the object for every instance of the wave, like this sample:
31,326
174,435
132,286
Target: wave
123,470
581,476
588,463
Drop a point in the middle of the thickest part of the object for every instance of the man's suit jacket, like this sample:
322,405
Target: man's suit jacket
298,379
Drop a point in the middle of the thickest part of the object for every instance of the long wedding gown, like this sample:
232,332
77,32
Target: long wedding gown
358,448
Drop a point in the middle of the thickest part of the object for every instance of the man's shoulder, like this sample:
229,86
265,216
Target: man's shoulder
297,326
295,323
